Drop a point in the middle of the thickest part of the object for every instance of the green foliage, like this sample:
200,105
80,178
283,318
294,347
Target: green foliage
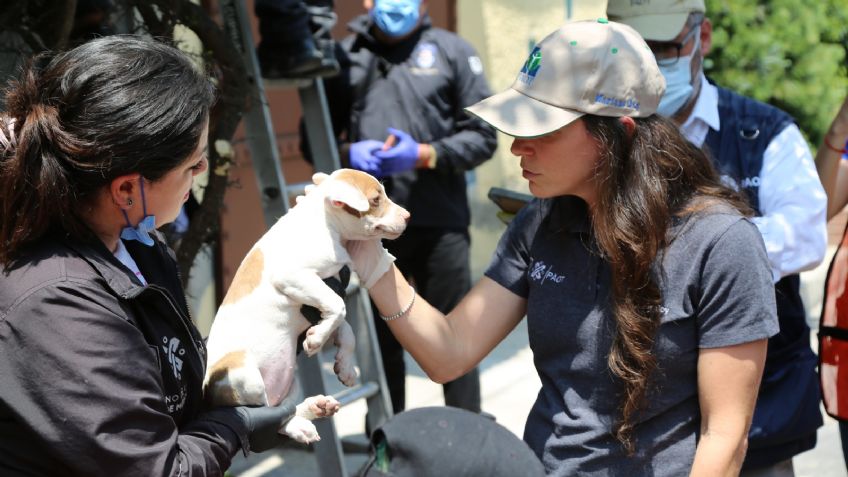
789,53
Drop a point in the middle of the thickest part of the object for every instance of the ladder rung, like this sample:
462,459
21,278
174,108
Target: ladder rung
360,391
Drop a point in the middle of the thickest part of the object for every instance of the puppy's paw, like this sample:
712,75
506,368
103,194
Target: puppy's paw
344,369
317,406
315,339
300,429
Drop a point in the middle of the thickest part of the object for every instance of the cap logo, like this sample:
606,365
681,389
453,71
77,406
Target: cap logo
629,103
531,66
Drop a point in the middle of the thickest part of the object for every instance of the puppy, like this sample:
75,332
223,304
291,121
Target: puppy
253,340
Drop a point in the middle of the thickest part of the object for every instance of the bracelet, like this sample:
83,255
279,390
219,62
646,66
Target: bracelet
830,146
404,311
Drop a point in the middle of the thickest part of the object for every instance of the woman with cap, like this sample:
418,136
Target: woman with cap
101,366
646,288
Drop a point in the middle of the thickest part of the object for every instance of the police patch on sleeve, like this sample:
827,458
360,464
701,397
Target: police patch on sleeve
475,65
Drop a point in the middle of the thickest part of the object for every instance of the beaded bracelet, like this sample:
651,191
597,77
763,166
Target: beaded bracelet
830,146
404,311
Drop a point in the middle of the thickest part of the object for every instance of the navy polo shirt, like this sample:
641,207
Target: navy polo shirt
717,291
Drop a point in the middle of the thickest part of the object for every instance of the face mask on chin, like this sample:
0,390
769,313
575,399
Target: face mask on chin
396,18
678,82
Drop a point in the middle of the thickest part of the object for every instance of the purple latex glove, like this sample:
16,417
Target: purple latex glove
362,156
401,157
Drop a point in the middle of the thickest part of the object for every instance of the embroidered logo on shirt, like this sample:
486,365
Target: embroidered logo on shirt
541,272
173,350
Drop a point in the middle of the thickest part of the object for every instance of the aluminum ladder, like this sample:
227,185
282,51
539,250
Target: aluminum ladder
275,197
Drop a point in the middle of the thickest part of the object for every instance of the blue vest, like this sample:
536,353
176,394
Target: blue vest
787,412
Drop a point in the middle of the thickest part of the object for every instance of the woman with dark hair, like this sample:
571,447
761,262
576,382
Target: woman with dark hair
101,366
647,290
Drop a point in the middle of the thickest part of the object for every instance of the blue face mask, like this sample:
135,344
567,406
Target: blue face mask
396,18
678,83
140,232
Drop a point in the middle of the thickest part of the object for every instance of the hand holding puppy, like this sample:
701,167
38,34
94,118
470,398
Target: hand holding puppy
370,260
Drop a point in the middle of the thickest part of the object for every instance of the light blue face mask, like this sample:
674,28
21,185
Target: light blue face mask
140,232
678,82
396,18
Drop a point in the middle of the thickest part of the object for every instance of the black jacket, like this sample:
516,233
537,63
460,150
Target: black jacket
100,375
419,85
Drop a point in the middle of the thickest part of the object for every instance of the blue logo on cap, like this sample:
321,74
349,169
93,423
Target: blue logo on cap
531,66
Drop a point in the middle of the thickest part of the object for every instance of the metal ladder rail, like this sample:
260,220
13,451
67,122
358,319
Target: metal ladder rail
274,196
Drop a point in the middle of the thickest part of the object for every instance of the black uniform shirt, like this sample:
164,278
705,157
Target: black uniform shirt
419,85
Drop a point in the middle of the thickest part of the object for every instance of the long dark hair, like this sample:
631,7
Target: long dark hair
113,106
643,181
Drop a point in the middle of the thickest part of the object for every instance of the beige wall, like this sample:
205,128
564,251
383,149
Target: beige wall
504,32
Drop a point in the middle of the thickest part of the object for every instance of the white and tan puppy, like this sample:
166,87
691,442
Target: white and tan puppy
253,340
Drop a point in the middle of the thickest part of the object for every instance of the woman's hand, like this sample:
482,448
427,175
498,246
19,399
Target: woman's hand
370,260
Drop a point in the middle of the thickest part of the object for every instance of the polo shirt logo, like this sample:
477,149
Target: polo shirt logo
541,273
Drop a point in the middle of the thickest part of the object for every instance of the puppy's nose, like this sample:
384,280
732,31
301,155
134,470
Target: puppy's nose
405,214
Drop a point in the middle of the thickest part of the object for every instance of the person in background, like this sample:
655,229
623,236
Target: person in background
397,109
759,150
295,41
647,291
101,366
833,170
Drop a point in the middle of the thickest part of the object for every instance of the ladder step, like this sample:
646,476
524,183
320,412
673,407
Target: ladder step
360,391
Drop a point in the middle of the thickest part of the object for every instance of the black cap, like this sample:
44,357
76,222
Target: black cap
447,441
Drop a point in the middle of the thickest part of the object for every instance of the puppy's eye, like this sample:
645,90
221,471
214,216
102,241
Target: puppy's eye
375,202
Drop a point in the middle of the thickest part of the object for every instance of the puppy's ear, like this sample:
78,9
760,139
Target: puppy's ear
341,193
319,177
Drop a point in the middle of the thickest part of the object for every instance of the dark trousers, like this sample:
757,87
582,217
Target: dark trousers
283,23
437,261
843,436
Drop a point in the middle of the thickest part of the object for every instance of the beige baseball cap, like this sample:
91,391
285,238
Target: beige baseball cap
656,20
584,67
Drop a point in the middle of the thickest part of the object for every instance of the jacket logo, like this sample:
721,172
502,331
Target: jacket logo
173,350
541,273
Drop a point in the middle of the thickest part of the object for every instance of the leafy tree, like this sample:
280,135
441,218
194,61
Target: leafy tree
784,52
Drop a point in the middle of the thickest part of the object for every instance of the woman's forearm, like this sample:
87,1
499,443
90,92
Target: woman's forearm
719,454
447,347
423,331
